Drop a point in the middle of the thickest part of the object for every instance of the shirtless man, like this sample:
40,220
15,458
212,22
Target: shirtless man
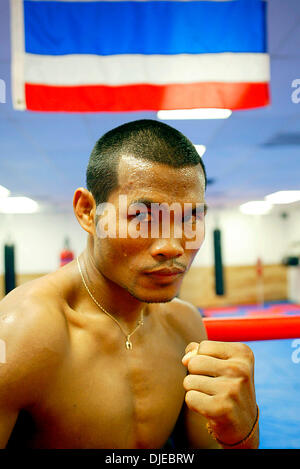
101,353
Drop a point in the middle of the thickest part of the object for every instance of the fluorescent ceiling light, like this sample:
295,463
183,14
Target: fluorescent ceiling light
283,197
203,113
4,192
201,149
256,207
18,205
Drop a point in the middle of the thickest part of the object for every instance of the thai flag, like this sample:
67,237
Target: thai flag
97,56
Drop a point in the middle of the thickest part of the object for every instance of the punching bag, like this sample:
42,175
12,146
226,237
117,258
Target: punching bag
260,281
66,254
219,277
9,268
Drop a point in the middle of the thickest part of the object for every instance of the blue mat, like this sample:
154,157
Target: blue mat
277,381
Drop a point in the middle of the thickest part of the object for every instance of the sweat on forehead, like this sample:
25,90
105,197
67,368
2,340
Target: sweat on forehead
134,173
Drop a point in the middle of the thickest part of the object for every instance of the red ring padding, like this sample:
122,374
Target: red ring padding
243,329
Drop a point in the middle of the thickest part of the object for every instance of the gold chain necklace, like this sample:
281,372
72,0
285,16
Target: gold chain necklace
128,343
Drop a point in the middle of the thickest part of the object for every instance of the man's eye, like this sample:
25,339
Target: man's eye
195,215
189,219
192,218
143,216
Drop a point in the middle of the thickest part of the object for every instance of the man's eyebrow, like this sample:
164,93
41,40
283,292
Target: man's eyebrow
144,201
203,205
149,202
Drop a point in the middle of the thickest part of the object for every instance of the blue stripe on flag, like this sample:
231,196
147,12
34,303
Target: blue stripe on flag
147,27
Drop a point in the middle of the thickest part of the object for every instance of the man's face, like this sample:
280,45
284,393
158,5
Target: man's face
157,232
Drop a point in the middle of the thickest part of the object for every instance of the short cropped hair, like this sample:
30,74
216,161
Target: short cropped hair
146,139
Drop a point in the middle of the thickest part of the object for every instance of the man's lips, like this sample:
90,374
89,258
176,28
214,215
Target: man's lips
165,272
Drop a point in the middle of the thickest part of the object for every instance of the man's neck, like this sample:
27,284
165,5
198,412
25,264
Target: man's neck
114,299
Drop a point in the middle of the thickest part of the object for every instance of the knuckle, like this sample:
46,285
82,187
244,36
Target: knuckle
224,403
191,346
238,369
222,407
204,346
246,352
244,372
190,399
193,364
187,382
234,390
232,370
249,355
228,408
240,347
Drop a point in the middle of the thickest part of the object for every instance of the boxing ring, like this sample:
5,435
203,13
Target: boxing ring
252,328
273,334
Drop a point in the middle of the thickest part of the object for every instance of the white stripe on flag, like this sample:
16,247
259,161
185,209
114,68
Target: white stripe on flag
17,54
117,70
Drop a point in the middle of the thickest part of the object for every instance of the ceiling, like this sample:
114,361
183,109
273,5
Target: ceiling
249,155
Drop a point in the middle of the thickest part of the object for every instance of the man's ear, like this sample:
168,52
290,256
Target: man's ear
85,209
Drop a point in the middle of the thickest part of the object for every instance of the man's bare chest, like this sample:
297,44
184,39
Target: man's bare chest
110,397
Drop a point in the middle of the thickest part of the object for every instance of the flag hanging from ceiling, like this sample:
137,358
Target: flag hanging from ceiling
98,56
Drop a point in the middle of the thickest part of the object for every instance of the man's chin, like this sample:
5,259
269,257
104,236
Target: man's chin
162,300
157,295
156,298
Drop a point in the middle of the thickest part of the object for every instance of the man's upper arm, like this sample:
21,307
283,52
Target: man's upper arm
191,323
29,354
12,378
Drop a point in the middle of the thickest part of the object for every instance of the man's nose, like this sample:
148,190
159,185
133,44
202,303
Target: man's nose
167,248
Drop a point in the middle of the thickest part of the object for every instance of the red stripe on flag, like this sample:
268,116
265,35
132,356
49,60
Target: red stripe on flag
140,97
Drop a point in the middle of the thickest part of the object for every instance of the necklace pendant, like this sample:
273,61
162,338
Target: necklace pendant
128,344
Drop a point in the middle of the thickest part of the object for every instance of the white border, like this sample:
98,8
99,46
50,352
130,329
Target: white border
72,70
17,54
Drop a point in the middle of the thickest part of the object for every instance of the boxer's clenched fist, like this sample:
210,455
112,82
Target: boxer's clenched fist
220,387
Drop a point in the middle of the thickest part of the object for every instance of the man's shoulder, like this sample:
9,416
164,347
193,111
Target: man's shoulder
32,329
186,318
32,315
